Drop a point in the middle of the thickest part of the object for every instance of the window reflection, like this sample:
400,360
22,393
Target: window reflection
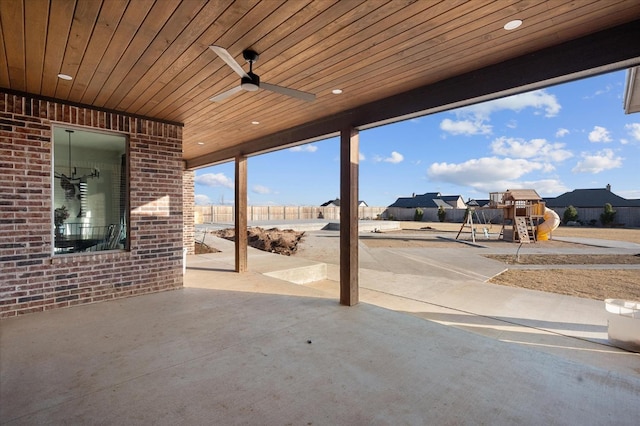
89,191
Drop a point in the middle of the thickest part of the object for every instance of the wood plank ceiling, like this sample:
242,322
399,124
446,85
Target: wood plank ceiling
151,58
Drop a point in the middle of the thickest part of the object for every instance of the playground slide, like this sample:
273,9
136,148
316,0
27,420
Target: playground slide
551,222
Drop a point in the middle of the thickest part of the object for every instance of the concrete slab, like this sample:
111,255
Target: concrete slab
249,349
601,243
296,270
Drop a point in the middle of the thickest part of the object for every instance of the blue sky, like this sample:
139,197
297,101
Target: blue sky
554,140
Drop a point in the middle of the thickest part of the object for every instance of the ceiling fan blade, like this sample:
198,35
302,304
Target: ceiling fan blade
224,95
305,96
226,56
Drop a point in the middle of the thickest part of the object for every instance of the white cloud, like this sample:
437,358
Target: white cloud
548,187
562,132
599,92
214,180
538,149
260,189
202,200
304,148
472,120
544,187
485,174
361,157
599,134
598,162
465,127
630,194
395,158
537,99
634,130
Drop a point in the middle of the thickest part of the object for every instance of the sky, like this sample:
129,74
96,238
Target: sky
565,137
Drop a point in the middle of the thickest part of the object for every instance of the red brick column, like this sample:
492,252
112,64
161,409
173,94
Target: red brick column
188,209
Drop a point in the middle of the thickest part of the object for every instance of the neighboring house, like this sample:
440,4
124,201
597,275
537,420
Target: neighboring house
336,203
590,198
590,204
476,202
430,199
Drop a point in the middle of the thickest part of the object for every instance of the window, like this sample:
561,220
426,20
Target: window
90,191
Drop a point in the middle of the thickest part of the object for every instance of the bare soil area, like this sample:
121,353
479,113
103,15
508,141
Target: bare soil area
568,259
273,240
403,239
202,248
588,283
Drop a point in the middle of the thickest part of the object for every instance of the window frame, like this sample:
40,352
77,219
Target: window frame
125,191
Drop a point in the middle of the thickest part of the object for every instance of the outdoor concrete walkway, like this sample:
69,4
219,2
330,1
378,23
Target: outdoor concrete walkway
252,349
448,286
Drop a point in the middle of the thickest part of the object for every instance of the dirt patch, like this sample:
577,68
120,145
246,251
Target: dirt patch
587,283
399,242
273,240
631,235
567,259
202,248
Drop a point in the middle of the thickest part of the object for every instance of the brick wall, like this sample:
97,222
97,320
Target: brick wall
31,278
188,201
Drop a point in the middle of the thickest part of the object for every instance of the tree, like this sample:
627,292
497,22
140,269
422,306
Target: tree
570,215
608,216
442,214
417,216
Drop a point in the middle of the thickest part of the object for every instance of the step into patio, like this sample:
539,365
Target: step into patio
288,268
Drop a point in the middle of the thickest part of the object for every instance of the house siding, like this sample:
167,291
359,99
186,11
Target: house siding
31,278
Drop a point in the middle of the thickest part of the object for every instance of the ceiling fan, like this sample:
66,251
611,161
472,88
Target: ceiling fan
250,81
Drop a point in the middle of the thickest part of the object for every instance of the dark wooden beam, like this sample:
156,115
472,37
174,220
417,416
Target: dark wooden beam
604,51
240,214
349,216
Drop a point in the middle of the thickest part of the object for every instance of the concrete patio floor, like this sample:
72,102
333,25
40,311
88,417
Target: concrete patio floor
252,349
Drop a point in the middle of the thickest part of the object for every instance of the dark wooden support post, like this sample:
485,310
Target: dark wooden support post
241,213
349,158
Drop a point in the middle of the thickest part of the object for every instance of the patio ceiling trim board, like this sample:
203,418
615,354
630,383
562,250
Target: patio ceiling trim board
601,52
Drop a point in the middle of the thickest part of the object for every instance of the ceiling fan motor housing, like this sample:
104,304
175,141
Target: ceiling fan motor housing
251,83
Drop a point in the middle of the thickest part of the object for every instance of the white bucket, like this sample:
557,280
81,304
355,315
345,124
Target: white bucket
623,317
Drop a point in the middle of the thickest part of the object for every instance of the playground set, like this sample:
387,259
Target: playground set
525,217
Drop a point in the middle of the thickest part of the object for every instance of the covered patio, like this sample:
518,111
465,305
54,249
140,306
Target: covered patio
170,78
249,349
229,346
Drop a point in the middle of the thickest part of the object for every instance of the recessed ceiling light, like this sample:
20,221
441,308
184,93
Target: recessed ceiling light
255,122
512,25
336,91
200,143
65,77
